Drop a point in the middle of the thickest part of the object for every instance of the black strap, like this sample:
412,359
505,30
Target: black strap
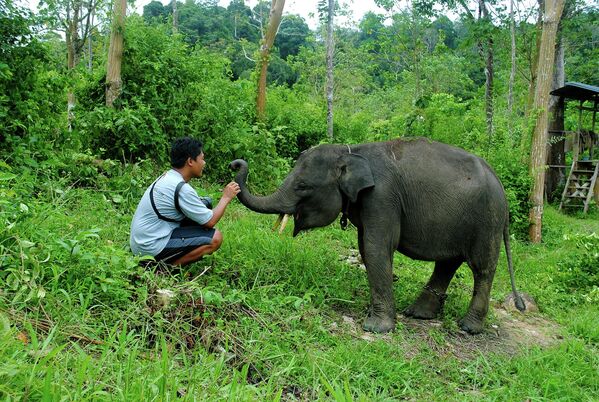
177,207
160,216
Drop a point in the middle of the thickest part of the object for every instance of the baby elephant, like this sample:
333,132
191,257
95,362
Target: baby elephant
427,200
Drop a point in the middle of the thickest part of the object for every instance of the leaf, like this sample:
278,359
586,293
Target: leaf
23,207
7,176
26,243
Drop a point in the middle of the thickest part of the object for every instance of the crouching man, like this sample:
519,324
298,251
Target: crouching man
172,223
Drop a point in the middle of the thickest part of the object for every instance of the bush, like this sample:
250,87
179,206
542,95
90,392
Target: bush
579,273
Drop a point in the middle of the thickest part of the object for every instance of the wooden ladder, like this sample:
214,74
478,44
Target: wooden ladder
579,191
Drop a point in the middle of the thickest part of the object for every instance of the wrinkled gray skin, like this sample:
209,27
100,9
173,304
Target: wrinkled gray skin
427,200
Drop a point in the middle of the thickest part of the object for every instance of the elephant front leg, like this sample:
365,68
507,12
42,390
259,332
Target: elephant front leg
379,267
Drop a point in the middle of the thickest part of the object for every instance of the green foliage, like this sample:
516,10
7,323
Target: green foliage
129,132
29,87
580,272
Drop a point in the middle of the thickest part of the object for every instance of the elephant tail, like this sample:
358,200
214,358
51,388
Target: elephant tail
506,241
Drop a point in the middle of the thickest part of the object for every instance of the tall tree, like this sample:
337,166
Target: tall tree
274,20
483,28
326,10
534,59
74,19
510,97
175,17
487,55
115,53
538,155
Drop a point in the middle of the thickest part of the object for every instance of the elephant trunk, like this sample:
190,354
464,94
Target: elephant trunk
276,203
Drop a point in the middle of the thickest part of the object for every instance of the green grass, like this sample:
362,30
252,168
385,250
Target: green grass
270,319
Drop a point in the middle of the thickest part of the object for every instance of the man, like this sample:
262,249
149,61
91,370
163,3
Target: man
171,222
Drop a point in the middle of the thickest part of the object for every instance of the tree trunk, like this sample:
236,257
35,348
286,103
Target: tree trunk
489,73
175,17
115,53
534,62
510,97
556,149
90,50
538,155
274,20
72,42
330,52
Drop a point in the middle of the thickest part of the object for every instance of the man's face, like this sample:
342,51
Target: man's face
198,164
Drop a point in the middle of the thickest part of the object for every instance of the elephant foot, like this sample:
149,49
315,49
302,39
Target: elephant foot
471,325
378,324
427,306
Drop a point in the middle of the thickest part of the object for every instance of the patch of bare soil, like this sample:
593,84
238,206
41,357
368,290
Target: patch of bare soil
510,332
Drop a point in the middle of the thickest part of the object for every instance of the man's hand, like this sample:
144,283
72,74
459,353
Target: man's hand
231,190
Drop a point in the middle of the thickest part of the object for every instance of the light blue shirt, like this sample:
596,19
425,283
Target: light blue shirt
150,234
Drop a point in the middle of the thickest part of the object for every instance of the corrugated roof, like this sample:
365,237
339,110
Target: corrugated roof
577,90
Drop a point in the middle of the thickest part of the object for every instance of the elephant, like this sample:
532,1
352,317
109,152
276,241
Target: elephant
425,199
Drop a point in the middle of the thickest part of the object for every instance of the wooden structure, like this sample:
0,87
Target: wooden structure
582,184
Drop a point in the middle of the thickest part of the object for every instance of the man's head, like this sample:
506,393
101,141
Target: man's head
187,151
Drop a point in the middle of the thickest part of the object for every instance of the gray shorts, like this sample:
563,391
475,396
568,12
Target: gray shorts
183,240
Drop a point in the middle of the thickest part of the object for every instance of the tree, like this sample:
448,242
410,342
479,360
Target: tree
538,156
175,17
115,53
27,97
154,10
74,18
510,97
292,35
274,20
327,9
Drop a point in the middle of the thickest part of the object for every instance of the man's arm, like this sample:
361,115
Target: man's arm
230,192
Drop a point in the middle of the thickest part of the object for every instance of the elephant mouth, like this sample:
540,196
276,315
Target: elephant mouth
282,220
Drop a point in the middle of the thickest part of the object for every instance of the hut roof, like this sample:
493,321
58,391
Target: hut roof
577,90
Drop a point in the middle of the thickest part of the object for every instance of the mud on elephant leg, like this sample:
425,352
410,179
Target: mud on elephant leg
483,273
430,301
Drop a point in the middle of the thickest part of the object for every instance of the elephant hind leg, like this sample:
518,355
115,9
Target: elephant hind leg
483,269
430,301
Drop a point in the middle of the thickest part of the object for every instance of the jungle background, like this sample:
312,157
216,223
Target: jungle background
268,316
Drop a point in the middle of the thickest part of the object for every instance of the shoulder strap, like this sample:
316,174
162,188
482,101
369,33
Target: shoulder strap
160,216
177,190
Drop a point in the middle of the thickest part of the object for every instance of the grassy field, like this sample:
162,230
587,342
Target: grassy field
270,317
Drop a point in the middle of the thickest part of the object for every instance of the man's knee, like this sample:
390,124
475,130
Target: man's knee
217,240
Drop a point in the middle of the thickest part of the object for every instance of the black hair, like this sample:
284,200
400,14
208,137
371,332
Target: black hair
183,148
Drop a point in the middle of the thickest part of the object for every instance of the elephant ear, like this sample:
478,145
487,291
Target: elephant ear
355,175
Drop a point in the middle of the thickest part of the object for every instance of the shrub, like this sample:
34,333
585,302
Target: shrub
579,273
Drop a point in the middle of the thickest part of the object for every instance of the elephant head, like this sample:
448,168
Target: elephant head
315,190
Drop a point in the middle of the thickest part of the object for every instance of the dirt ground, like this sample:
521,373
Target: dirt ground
510,332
